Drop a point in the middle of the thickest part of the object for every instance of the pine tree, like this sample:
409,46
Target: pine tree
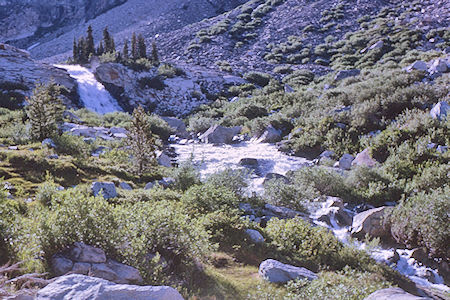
134,49
75,53
82,50
45,110
125,50
155,56
112,45
141,142
142,48
90,46
107,40
100,49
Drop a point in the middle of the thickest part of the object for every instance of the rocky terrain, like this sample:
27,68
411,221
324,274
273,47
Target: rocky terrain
264,149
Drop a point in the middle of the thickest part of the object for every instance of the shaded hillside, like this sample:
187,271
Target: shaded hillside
315,34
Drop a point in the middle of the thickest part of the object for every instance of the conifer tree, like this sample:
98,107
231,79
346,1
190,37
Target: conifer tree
112,45
141,142
90,46
100,49
125,50
155,56
45,110
142,48
82,50
106,40
75,53
134,49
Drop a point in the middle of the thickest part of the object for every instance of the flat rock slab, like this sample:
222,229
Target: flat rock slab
275,271
83,287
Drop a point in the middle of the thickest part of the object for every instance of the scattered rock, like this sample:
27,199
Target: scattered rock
270,135
61,265
178,126
13,148
164,160
364,159
81,252
346,73
249,162
345,163
125,186
288,89
440,110
53,156
277,272
271,176
392,293
149,185
370,222
420,254
48,142
283,212
333,212
418,65
217,134
377,45
255,236
81,287
108,189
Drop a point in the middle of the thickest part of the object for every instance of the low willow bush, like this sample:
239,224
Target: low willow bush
127,232
422,221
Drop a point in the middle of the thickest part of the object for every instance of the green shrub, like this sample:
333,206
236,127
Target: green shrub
235,181
279,193
251,111
205,198
299,78
170,71
186,175
160,127
200,124
72,145
422,221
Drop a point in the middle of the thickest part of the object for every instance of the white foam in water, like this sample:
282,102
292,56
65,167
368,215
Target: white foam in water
92,93
211,159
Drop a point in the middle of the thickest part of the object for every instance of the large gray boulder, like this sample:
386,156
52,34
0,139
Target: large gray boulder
270,135
83,287
440,110
178,126
391,294
108,189
370,222
345,163
80,252
255,236
277,272
364,159
217,134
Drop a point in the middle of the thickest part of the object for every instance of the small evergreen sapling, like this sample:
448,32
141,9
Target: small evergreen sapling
45,110
141,141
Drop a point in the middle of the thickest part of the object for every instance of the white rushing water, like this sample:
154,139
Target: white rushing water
211,159
92,93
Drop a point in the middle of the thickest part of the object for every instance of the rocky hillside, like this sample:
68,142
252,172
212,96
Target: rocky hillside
50,26
265,33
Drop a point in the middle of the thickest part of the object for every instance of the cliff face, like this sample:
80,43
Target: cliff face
23,21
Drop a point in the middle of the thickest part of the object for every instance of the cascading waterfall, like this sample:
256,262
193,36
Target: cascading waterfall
92,93
211,159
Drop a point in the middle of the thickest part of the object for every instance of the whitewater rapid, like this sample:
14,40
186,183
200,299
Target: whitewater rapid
209,159
92,93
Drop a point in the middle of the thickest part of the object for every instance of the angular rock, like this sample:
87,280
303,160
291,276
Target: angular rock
125,186
61,265
255,236
149,185
178,126
440,110
81,252
364,159
124,273
217,134
108,189
288,89
283,212
418,65
248,162
391,294
270,135
81,268
370,222
346,73
164,160
277,272
81,287
345,163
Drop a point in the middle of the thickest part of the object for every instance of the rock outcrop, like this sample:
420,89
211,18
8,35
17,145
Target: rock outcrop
19,74
392,293
370,222
83,287
217,134
277,272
